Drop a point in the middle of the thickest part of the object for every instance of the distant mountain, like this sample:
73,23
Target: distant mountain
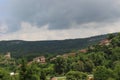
20,48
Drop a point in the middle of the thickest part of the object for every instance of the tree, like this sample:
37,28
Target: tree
60,65
110,36
43,75
76,75
34,77
33,72
102,73
115,54
69,64
4,75
89,65
78,66
117,70
98,58
23,70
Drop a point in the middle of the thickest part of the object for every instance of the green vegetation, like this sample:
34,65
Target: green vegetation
76,75
31,49
102,73
101,60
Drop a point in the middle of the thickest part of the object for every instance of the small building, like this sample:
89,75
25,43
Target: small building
13,74
40,59
105,42
83,50
8,55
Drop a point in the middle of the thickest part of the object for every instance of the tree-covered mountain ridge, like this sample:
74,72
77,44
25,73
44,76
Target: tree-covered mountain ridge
20,48
100,61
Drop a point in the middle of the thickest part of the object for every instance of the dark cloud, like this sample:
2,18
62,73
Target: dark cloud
61,14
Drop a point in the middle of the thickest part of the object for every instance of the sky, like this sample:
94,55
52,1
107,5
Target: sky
35,20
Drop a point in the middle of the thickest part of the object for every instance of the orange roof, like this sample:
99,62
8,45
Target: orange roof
83,50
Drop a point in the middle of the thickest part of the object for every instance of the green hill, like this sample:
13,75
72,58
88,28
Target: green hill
20,48
101,60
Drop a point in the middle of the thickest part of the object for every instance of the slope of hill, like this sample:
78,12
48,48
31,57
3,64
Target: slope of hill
102,60
20,48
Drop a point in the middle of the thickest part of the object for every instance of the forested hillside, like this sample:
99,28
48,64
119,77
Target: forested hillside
19,48
101,61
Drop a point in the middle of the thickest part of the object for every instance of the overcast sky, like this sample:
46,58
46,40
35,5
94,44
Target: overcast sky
57,19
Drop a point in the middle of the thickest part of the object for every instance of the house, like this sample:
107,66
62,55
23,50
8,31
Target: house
8,55
105,42
83,50
40,59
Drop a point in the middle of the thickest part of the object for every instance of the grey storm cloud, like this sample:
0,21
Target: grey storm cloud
61,14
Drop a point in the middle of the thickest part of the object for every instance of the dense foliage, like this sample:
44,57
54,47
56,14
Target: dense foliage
76,75
32,49
101,60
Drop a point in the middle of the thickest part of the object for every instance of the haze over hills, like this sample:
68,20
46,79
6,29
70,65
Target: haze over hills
20,48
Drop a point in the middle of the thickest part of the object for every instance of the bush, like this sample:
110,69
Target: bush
102,73
75,75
